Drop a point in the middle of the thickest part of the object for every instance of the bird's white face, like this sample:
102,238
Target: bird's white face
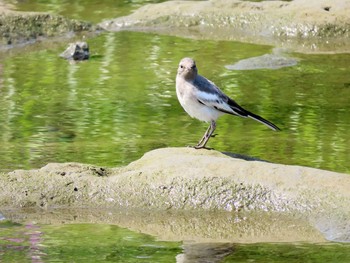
187,69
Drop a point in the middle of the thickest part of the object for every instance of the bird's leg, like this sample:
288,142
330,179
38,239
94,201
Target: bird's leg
206,136
213,127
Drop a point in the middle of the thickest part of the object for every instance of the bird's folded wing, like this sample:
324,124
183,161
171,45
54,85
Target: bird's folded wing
221,103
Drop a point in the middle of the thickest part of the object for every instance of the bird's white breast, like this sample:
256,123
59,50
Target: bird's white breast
187,95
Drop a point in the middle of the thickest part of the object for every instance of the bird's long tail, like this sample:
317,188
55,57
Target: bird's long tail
239,111
263,121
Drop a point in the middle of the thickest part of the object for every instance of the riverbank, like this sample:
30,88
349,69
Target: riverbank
307,27
301,26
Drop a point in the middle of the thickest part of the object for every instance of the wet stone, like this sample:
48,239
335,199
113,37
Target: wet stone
76,51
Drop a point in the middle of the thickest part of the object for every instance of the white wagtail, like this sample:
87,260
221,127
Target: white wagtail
203,100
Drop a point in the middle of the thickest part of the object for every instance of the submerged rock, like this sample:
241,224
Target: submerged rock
76,51
183,179
267,61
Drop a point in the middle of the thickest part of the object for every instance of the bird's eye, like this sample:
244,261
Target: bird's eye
193,67
181,66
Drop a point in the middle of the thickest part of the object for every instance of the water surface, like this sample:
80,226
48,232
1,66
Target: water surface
31,242
121,103
89,10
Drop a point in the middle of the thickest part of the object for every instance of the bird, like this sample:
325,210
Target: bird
203,100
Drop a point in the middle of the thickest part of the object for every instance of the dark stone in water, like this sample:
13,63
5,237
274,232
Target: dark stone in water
76,51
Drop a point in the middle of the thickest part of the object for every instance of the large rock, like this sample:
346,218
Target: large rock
308,26
184,179
19,28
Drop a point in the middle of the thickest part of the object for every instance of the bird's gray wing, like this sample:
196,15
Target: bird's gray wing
210,95
205,85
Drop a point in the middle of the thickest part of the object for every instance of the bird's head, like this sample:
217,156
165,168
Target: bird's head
187,69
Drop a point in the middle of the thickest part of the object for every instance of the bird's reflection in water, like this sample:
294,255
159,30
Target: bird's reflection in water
204,252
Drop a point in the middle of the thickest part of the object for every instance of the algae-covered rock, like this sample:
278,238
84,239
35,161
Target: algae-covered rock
20,27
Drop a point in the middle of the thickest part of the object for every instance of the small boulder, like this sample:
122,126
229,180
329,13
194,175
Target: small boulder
76,51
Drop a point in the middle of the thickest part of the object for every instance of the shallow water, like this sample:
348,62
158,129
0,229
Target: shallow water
122,103
31,242
89,10
81,243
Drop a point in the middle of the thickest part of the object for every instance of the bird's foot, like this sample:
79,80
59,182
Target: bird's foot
197,147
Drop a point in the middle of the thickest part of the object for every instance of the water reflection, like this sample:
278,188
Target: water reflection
204,252
79,242
92,10
121,103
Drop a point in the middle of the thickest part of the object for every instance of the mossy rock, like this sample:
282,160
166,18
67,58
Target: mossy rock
21,27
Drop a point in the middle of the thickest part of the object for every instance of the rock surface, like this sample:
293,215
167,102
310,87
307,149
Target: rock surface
18,28
76,51
305,26
184,179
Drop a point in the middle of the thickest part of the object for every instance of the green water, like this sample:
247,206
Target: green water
108,243
81,243
122,103
88,10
